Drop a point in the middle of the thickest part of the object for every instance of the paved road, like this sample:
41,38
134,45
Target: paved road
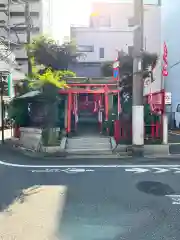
90,202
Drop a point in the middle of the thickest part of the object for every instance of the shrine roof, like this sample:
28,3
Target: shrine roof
90,81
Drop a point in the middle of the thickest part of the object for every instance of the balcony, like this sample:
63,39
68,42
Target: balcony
3,8
18,21
22,14
20,29
35,6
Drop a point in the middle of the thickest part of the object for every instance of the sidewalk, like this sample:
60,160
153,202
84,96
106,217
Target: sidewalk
8,133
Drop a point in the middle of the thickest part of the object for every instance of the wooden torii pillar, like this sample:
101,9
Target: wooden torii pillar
106,102
69,109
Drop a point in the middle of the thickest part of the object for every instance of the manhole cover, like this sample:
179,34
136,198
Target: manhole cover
155,188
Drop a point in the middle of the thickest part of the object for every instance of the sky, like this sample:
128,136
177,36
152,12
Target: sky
74,12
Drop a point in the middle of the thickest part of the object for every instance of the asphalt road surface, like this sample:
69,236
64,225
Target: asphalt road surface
91,202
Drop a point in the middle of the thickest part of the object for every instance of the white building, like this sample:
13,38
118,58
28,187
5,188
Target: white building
170,30
41,20
108,31
8,62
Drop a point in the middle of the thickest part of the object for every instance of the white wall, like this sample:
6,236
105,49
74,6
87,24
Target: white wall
152,33
170,34
47,16
34,7
111,40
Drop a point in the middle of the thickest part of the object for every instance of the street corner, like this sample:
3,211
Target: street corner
175,132
174,136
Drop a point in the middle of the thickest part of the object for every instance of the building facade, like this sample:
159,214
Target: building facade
170,29
9,68
108,32
40,21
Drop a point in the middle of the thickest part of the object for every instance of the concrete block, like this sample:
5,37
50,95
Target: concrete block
30,138
113,143
63,143
156,149
120,148
51,149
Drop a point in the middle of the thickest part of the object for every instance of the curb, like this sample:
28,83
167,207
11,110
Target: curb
159,149
121,152
174,133
53,153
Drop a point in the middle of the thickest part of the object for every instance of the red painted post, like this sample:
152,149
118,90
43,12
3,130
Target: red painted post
119,104
17,132
152,130
117,129
69,112
75,110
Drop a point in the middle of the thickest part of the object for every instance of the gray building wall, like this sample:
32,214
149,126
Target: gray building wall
86,69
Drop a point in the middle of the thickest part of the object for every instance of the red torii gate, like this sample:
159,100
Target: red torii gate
103,89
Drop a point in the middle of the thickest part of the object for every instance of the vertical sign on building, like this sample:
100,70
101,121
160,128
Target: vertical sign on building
11,93
116,70
165,61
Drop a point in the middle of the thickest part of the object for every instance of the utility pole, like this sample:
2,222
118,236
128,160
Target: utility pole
138,106
28,33
2,107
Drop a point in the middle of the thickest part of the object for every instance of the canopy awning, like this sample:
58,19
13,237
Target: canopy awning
30,94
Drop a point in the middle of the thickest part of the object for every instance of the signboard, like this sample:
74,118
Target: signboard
165,61
116,70
147,82
11,93
168,98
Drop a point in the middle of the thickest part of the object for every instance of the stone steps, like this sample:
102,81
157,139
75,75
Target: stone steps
89,145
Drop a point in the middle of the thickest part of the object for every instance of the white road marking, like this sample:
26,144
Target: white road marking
68,170
87,166
76,170
177,170
137,170
175,199
154,170
161,170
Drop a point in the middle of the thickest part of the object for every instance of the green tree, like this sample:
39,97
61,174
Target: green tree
49,63
107,69
47,53
126,75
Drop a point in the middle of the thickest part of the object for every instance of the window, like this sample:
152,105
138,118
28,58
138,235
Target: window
85,48
22,14
21,29
101,53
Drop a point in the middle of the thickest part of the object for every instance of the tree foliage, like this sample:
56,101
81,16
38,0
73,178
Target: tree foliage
48,53
149,61
49,63
107,69
49,76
